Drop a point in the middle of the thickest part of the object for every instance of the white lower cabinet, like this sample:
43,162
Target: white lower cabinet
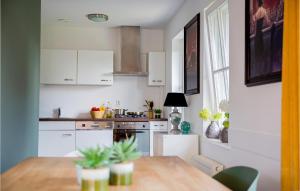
156,126
183,146
91,138
56,143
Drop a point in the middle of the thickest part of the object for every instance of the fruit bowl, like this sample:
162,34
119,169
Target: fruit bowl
97,114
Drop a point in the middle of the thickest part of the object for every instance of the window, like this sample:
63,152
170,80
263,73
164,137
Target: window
178,65
217,33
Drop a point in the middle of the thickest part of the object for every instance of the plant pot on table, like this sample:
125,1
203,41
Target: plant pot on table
94,179
121,173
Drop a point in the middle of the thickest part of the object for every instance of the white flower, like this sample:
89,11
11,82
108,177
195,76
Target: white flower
224,106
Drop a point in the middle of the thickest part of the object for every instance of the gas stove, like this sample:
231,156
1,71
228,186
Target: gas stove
130,116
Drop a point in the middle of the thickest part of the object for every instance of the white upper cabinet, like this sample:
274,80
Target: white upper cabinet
95,67
156,64
58,66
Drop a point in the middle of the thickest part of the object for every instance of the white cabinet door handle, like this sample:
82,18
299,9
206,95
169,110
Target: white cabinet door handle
68,79
67,135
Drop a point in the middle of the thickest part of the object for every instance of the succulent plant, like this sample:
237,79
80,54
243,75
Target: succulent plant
124,151
94,158
157,111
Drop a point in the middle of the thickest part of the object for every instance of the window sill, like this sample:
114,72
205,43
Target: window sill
215,142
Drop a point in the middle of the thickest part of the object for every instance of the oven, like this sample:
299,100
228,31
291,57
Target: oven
140,130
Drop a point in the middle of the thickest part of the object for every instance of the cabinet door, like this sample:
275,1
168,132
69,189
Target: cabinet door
92,138
56,143
156,64
58,66
95,67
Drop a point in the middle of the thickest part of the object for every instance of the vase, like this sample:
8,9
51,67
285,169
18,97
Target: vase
224,135
185,127
94,179
121,173
213,130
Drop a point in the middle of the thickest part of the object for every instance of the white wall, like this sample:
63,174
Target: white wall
255,112
75,101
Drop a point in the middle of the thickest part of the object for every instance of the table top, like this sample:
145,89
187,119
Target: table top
151,174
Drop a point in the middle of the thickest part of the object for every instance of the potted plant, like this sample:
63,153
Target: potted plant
93,169
213,129
224,106
157,113
122,156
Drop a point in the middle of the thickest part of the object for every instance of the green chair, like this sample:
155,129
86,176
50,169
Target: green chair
239,178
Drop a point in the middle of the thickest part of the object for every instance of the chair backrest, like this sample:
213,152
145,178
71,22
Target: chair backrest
239,178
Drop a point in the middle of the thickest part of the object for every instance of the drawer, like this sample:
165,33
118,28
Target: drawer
56,125
159,125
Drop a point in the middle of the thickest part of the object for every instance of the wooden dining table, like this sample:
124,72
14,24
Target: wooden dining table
150,174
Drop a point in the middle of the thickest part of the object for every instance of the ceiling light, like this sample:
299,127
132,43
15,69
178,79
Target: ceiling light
96,17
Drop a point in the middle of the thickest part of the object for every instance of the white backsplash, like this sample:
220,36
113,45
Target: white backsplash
76,101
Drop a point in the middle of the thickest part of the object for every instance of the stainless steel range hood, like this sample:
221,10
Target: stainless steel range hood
130,52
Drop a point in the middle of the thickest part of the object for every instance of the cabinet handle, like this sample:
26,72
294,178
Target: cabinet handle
153,80
159,81
155,125
68,79
103,80
161,125
67,135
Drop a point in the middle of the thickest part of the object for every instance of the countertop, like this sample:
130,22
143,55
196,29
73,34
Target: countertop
150,173
108,119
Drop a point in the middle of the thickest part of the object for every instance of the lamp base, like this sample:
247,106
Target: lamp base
175,118
175,131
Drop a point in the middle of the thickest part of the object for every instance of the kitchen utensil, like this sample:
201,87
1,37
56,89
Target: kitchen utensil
120,111
135,113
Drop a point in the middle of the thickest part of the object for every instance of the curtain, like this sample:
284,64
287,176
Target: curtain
290,142
218,40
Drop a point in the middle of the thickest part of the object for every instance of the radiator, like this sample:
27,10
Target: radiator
207,165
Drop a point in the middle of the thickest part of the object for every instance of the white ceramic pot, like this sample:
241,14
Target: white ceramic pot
93,179
121,173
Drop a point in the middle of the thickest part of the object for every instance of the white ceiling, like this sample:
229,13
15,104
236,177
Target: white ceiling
145,13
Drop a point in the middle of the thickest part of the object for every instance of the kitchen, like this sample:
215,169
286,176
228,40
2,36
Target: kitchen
80,73
86,64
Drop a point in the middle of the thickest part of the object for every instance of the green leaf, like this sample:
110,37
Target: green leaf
125,151
94,157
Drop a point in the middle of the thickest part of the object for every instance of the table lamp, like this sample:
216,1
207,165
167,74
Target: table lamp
175,100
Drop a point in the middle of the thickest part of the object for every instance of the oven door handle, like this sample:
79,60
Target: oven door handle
134,131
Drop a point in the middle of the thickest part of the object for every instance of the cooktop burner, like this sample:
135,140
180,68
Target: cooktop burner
130,116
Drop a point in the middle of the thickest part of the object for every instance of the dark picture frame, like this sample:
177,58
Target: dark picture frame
263,42
192,56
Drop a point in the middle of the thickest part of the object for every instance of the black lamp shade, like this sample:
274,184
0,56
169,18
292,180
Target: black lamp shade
175,100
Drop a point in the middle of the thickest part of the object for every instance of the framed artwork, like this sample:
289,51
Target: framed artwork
263,40
191,56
